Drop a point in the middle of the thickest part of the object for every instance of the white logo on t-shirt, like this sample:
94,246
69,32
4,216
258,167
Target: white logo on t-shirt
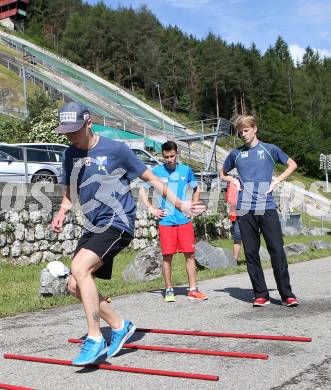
174,176
260,154
101,162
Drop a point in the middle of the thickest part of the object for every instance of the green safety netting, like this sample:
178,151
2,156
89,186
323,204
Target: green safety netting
155,145
113,133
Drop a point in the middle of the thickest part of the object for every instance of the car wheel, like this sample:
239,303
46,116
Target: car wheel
44,176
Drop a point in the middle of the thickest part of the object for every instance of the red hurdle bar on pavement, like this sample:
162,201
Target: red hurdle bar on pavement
188,350
230,335
112,367
12,387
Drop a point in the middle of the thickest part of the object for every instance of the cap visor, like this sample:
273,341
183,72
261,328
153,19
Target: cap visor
69,127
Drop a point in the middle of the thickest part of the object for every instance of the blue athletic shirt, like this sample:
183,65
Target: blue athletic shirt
102,181
178,181
255,167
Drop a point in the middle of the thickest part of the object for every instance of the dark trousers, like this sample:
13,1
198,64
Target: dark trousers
269,225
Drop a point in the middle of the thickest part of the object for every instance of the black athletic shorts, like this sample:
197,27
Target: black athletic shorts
106,245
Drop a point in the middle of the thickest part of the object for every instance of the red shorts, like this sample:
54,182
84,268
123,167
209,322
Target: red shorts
179,238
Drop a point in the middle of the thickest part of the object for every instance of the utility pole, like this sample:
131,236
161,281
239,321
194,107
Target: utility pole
25,91
328,161
217,103
158,88
326,181
325,163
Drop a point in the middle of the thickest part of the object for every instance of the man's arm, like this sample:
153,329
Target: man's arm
291,167
229,179
190,208
143,194
196,194
66,205
192,183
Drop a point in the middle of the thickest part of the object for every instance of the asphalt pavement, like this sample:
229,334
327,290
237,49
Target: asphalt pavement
291,365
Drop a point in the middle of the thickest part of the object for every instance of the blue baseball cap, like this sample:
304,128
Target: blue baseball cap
72,117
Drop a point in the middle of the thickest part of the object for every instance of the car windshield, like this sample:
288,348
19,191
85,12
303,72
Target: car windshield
145,157
12,151
5,157
40,155
44,152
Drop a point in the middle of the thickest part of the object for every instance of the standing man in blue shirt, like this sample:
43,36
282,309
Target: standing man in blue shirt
175,228
256,209
97,174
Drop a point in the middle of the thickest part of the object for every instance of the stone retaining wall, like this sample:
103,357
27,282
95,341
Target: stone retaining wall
26,237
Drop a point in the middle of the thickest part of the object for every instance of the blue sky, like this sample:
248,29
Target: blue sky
299,22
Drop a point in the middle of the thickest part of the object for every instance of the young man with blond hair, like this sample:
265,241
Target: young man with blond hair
256,209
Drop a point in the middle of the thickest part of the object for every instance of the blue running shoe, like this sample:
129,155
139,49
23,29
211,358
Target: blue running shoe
90,352
118,338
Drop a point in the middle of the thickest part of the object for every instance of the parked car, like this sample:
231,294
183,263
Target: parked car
59,150
41,165
148,159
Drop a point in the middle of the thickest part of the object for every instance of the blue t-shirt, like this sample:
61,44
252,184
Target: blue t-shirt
255,167
101,179
178,181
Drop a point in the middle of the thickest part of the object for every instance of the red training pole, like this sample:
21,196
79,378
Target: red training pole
12,387
189,350
111,367
230,335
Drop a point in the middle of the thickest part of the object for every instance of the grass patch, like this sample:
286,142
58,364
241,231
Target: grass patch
8,50
311,221
9,77
19,284
308,181
13,85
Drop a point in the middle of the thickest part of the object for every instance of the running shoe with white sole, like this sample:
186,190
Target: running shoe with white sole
290,302
169,295
260,302
196,295
119,337
90,352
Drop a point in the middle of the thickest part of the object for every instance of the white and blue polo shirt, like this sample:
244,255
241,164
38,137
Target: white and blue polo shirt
178,180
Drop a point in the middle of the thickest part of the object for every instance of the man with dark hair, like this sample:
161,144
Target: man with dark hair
255,162
168,146
175,229
97,174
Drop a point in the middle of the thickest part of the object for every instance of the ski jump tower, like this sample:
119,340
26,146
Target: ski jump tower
13,13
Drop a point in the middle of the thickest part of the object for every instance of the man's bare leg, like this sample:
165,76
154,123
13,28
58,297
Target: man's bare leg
190,270
83,265
106,311
166,270
236,250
